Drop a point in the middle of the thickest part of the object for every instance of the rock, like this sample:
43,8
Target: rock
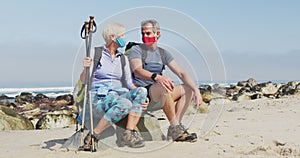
256,96
27,106
5,97
10,120
245,90
50,121
251,82
24,97
297,89
292,84
268,89
4,102
205,88
284,90
256,88
218,90
32,115
206,97
41,97
240,97
242,83
59,103
68,98
232,90
148,126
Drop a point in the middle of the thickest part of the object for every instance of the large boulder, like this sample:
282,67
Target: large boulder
24,97
10,120
148,126
50,121
241,97
251,82
268,89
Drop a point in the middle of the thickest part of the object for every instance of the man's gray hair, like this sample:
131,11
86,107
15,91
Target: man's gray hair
154,23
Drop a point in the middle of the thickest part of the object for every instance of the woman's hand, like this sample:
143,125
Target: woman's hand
145,105
87,62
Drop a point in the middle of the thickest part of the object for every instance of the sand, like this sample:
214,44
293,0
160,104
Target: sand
255,128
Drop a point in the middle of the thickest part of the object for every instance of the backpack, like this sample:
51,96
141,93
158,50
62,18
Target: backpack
144,53
79,90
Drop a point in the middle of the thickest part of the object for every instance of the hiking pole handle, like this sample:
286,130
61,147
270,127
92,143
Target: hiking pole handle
85,30
86,26
92,25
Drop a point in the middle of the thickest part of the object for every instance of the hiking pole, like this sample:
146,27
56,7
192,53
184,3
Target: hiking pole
88,29
85,28
91,31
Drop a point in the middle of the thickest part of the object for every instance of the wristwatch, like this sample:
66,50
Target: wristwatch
153,76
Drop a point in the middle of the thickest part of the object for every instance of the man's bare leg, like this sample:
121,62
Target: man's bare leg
183,95
158,93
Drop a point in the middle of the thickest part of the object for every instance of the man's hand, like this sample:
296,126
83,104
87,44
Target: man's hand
166,82
197,98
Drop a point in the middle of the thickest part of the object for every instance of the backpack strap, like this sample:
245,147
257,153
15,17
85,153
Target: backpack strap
97,57
163,57
144,54
161,52
123,62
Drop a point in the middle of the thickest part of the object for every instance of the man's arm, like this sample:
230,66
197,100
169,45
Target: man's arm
187,80
139,72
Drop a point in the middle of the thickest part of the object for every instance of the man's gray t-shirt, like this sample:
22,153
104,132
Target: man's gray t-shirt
153,62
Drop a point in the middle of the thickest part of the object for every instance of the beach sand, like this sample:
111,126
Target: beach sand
255,128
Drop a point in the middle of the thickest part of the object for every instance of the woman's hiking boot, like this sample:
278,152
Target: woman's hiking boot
179,133
132,139
88,143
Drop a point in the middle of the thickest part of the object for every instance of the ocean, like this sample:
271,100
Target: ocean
51,92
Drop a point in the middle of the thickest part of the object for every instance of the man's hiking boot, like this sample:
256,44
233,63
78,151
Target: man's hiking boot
88,143
179,133
132,139
191,136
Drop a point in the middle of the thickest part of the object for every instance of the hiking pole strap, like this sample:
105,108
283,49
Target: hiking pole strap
85,30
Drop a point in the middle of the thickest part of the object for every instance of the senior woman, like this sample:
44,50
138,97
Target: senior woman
108,96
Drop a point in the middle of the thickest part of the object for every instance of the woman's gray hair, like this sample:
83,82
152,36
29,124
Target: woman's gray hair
154,23
115,29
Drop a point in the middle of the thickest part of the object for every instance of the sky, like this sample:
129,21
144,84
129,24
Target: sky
40,40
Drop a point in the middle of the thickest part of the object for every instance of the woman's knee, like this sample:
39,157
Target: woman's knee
140,91
124,103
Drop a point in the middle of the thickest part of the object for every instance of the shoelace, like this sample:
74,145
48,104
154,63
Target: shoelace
134,133
183,128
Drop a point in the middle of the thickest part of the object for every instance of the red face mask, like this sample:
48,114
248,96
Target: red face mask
148,40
